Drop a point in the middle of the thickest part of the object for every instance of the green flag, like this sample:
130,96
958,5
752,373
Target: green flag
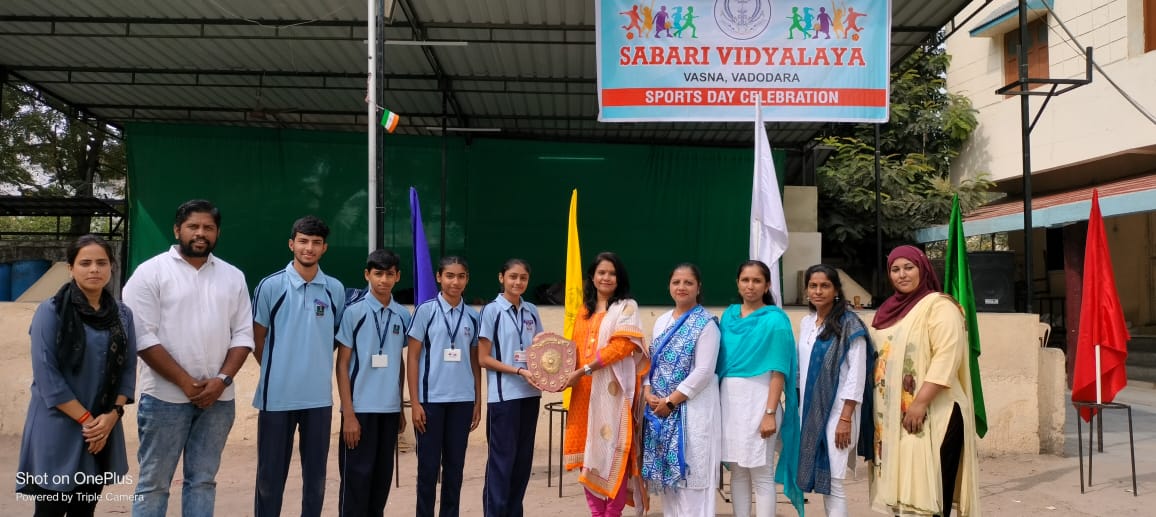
957,283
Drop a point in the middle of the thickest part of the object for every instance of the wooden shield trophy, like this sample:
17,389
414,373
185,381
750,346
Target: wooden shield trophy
550,360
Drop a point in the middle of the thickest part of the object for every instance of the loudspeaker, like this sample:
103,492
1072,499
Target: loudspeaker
993,276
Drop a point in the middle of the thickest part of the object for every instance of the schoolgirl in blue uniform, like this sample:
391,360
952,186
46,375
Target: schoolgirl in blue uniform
370,370
509,325
444,384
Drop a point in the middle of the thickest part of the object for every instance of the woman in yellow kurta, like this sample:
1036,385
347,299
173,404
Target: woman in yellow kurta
602,438
925,448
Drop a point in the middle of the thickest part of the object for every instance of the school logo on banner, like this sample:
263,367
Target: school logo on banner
742,19
711,60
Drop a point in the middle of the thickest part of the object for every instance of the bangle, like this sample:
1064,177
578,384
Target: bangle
84,418
848,420
518,371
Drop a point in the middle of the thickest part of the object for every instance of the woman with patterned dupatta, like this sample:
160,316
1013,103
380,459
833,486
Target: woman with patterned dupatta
833,367
925,456
757,364
602,433
682,431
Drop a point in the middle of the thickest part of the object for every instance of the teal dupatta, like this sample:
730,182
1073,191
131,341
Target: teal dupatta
760,343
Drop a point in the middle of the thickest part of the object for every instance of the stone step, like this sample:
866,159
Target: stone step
1141,373
1142,343
1141,359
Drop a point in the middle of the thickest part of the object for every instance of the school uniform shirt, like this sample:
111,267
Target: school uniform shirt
369,329
301,320
510,329
440,327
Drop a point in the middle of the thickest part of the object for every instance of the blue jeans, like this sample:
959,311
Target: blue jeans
166,432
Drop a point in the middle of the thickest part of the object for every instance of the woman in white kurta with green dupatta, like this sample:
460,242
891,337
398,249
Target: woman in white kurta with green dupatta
925,429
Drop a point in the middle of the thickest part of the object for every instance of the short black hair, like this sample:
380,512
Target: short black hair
193,206
311,226
383,260
86,240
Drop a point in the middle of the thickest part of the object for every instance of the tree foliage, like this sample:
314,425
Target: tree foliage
48,152
927,127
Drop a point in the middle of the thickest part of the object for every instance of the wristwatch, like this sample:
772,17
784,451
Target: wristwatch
119,408
586,368
225,379
669,404
770,412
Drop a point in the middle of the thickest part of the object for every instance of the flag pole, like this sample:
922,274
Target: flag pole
1099,389
371,119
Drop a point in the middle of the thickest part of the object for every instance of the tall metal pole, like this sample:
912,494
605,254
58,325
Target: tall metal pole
371,120
379,157
877,279
1026,143
445,137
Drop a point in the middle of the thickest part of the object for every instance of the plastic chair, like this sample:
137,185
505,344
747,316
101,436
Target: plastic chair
1045,334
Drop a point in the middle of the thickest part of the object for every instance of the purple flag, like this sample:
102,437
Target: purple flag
424,287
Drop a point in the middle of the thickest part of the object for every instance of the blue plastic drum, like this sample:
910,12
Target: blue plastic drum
5,282
25,273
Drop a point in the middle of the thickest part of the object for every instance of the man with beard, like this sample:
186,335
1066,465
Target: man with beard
295,315
194,330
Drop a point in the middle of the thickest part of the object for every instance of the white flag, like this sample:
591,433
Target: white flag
768,224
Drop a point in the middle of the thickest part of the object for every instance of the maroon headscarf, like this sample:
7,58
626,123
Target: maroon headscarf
898,305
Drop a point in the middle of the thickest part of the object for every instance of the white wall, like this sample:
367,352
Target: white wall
1089,122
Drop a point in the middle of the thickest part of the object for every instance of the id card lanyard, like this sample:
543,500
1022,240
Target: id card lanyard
453,332
382,332
518,324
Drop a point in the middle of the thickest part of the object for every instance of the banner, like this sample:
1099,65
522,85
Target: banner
710,60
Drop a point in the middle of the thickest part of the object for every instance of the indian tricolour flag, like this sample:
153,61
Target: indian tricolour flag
389,120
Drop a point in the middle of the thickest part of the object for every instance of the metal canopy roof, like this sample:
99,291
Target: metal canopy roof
55,206
528,68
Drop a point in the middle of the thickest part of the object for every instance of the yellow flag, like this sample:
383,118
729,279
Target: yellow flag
573,280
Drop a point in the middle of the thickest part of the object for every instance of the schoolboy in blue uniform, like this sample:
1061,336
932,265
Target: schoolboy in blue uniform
509,325
444,383
370,371
295,315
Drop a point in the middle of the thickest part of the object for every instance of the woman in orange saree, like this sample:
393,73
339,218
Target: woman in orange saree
602,431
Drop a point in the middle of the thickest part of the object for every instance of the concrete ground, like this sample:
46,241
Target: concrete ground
1010,485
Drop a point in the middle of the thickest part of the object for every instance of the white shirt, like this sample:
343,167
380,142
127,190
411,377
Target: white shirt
197,315
851,380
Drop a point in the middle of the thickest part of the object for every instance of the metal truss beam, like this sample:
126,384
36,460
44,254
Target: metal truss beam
201,73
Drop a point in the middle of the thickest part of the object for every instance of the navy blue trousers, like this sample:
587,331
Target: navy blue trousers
510,429
275,431
442,447
366,469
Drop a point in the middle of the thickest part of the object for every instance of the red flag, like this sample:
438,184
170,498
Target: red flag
1101,321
